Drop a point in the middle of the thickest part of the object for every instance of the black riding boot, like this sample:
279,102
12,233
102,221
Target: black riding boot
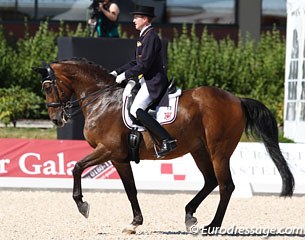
168,143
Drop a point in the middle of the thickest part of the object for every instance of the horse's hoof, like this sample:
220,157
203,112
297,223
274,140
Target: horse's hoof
189,223
84,209
131,229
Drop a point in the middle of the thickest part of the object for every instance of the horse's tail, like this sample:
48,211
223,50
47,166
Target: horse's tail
261,123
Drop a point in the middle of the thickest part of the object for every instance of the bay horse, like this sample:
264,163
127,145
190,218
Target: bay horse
209,125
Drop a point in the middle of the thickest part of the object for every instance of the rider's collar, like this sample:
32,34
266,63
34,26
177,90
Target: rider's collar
144,29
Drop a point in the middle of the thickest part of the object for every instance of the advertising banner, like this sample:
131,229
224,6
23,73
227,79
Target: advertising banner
49,164
294,112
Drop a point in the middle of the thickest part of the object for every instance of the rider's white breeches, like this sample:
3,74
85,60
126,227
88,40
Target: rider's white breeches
142,99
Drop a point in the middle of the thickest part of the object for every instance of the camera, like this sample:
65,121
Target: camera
96,14
95,7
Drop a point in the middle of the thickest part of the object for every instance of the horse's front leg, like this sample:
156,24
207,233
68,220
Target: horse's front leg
99,155
83,207
125,172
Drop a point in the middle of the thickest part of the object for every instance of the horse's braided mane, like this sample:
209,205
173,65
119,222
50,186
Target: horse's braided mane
82,61
98,69
107,77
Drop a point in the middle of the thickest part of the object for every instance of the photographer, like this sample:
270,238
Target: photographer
104,19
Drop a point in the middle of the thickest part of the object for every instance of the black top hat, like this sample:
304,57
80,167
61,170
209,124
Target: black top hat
144,10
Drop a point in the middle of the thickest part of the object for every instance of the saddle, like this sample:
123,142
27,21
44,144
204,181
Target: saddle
164,115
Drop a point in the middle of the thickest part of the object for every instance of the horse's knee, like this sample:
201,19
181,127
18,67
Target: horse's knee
77,169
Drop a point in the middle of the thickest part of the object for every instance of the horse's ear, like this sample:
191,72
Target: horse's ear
44,64
42,71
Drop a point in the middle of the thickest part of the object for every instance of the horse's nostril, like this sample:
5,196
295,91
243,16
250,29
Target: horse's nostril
55,121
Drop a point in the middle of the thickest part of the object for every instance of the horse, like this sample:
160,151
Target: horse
209,124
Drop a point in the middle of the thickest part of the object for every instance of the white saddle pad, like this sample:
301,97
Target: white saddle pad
164,115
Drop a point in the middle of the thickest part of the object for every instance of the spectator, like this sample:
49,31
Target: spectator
104,20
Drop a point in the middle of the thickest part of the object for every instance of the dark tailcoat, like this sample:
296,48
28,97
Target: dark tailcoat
148,61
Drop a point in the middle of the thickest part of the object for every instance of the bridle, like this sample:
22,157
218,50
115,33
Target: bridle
66,105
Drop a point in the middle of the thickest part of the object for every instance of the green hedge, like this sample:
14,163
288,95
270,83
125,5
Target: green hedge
16,103
16,62
19,58
246,68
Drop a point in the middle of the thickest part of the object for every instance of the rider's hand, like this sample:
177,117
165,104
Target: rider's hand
114,73
120,78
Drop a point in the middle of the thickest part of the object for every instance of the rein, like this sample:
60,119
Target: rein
70,104
66,106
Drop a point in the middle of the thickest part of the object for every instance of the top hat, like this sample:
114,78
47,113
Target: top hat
144,10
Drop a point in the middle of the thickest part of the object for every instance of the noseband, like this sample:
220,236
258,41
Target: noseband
65,104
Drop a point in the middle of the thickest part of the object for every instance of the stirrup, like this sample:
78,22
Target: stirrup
167,146
156,151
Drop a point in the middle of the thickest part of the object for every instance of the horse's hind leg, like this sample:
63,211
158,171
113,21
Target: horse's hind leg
204,164
226,187
125,172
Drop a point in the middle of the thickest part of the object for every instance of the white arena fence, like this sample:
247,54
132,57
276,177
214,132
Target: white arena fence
48,164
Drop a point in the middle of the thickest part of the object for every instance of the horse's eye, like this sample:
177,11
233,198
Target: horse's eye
48,89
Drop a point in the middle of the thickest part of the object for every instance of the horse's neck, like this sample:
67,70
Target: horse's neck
96,91
84,92
86,85
98,98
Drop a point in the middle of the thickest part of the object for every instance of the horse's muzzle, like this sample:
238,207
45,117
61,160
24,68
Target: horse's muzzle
59,119
58,122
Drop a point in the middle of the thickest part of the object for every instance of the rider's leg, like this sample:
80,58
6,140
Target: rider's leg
168,143
141,102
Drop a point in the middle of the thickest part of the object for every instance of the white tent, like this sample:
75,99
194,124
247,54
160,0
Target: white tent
294,110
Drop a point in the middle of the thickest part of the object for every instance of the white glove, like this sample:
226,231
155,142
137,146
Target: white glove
129,86
114,73
120,78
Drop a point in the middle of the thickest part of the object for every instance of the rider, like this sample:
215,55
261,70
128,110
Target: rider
148,68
